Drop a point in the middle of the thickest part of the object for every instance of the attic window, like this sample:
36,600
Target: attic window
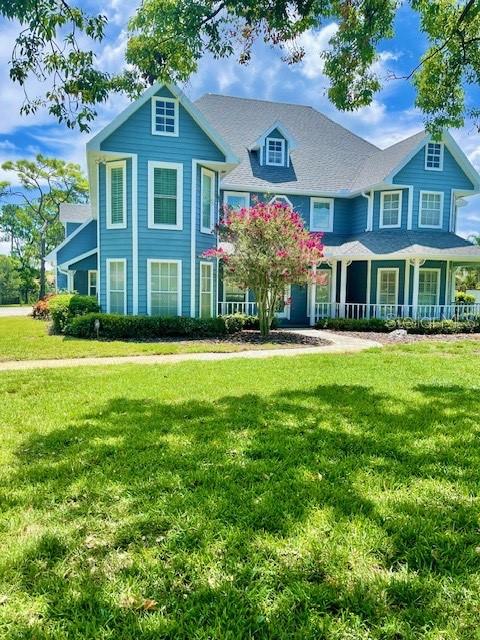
164,116
275,152
282,200
434,156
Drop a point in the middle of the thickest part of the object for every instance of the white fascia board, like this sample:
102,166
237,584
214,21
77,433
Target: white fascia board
95,143
259,142
462,160
82,256
53,253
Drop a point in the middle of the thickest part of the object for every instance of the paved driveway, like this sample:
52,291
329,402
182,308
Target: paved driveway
15,311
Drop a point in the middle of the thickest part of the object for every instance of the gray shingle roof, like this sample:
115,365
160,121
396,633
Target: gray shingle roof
327,159
401,244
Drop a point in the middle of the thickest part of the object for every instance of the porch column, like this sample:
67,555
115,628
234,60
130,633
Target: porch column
313,296
369,287
416,281
333,293
343,287
406,291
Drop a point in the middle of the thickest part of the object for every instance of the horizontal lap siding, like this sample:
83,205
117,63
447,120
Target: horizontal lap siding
84,241
70,227
376,209
135,136
359,213
87,264
452,177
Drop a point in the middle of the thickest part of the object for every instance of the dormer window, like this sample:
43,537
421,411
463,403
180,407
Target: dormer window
434,156
275,149
164,116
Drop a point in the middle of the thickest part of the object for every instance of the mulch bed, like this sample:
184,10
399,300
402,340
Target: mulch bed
277,336
386,338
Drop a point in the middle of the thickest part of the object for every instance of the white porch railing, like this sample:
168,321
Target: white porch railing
359,311
228,308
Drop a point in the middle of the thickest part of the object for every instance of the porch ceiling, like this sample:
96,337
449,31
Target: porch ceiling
401,245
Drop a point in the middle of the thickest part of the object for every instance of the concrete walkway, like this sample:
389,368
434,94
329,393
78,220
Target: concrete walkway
340,343
7,312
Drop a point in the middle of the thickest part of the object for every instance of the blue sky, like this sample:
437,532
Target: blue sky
390,118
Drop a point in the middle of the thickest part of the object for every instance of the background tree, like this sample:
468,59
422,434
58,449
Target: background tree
271,250
167,38
43,185
10,282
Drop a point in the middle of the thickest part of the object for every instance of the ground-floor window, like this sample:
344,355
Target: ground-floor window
92,283
429,287
323,289
116,281
387,287
232,293
164,287
206,289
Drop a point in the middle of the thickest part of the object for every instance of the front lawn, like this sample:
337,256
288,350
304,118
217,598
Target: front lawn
27,339
319,497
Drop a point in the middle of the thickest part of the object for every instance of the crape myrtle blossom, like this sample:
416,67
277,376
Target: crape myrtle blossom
271,249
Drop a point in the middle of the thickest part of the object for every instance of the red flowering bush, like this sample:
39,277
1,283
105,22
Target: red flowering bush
265,248
41,309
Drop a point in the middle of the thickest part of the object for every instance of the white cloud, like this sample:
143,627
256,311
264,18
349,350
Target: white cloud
314,43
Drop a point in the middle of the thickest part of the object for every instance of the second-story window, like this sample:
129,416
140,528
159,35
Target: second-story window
275,152
434,156
390,209
165,195
321,214
164,116
431,209
207,200
116,195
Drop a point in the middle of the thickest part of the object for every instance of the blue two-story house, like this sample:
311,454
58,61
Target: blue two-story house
161,170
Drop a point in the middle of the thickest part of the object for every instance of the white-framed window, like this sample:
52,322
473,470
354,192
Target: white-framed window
283,307
117,195
164,287
321,214
429,287
236,199
275,150
431,209
117,285
206,290
390,209
165,195
207,200
92,283
232,293
387,286
434,156
323,289
282,200
164,116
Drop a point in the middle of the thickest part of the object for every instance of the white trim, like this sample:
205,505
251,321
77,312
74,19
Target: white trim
134,235
70,281
278,196
369,282
82,256
178,167
98,234
176,109
439,277
89,286
382,205
380,270
260,141
117,164
53,253
193,237
151,261
430,226
125,288
410,209
442,148
200,292
95,143
207,172
243,194
313,287
406,284
331,202
283,145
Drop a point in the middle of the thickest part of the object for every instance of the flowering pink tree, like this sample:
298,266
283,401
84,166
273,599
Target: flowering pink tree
270,249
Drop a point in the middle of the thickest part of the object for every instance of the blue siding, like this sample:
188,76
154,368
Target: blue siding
388,264
84,241
61,280
87,264
376,210
452,177
359,206
135,136
70,228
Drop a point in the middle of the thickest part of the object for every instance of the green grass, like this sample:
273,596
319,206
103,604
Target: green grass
27,339
328,497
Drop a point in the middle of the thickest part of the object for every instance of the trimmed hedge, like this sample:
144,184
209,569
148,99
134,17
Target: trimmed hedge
117,327
422,327
65,306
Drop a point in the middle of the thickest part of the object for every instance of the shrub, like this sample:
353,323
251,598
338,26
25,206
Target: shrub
116,327
462,297
422,327
65,306
41,309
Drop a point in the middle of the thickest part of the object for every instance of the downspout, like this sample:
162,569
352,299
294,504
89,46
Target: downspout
369,197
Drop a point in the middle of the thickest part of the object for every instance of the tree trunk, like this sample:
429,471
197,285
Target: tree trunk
43,278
